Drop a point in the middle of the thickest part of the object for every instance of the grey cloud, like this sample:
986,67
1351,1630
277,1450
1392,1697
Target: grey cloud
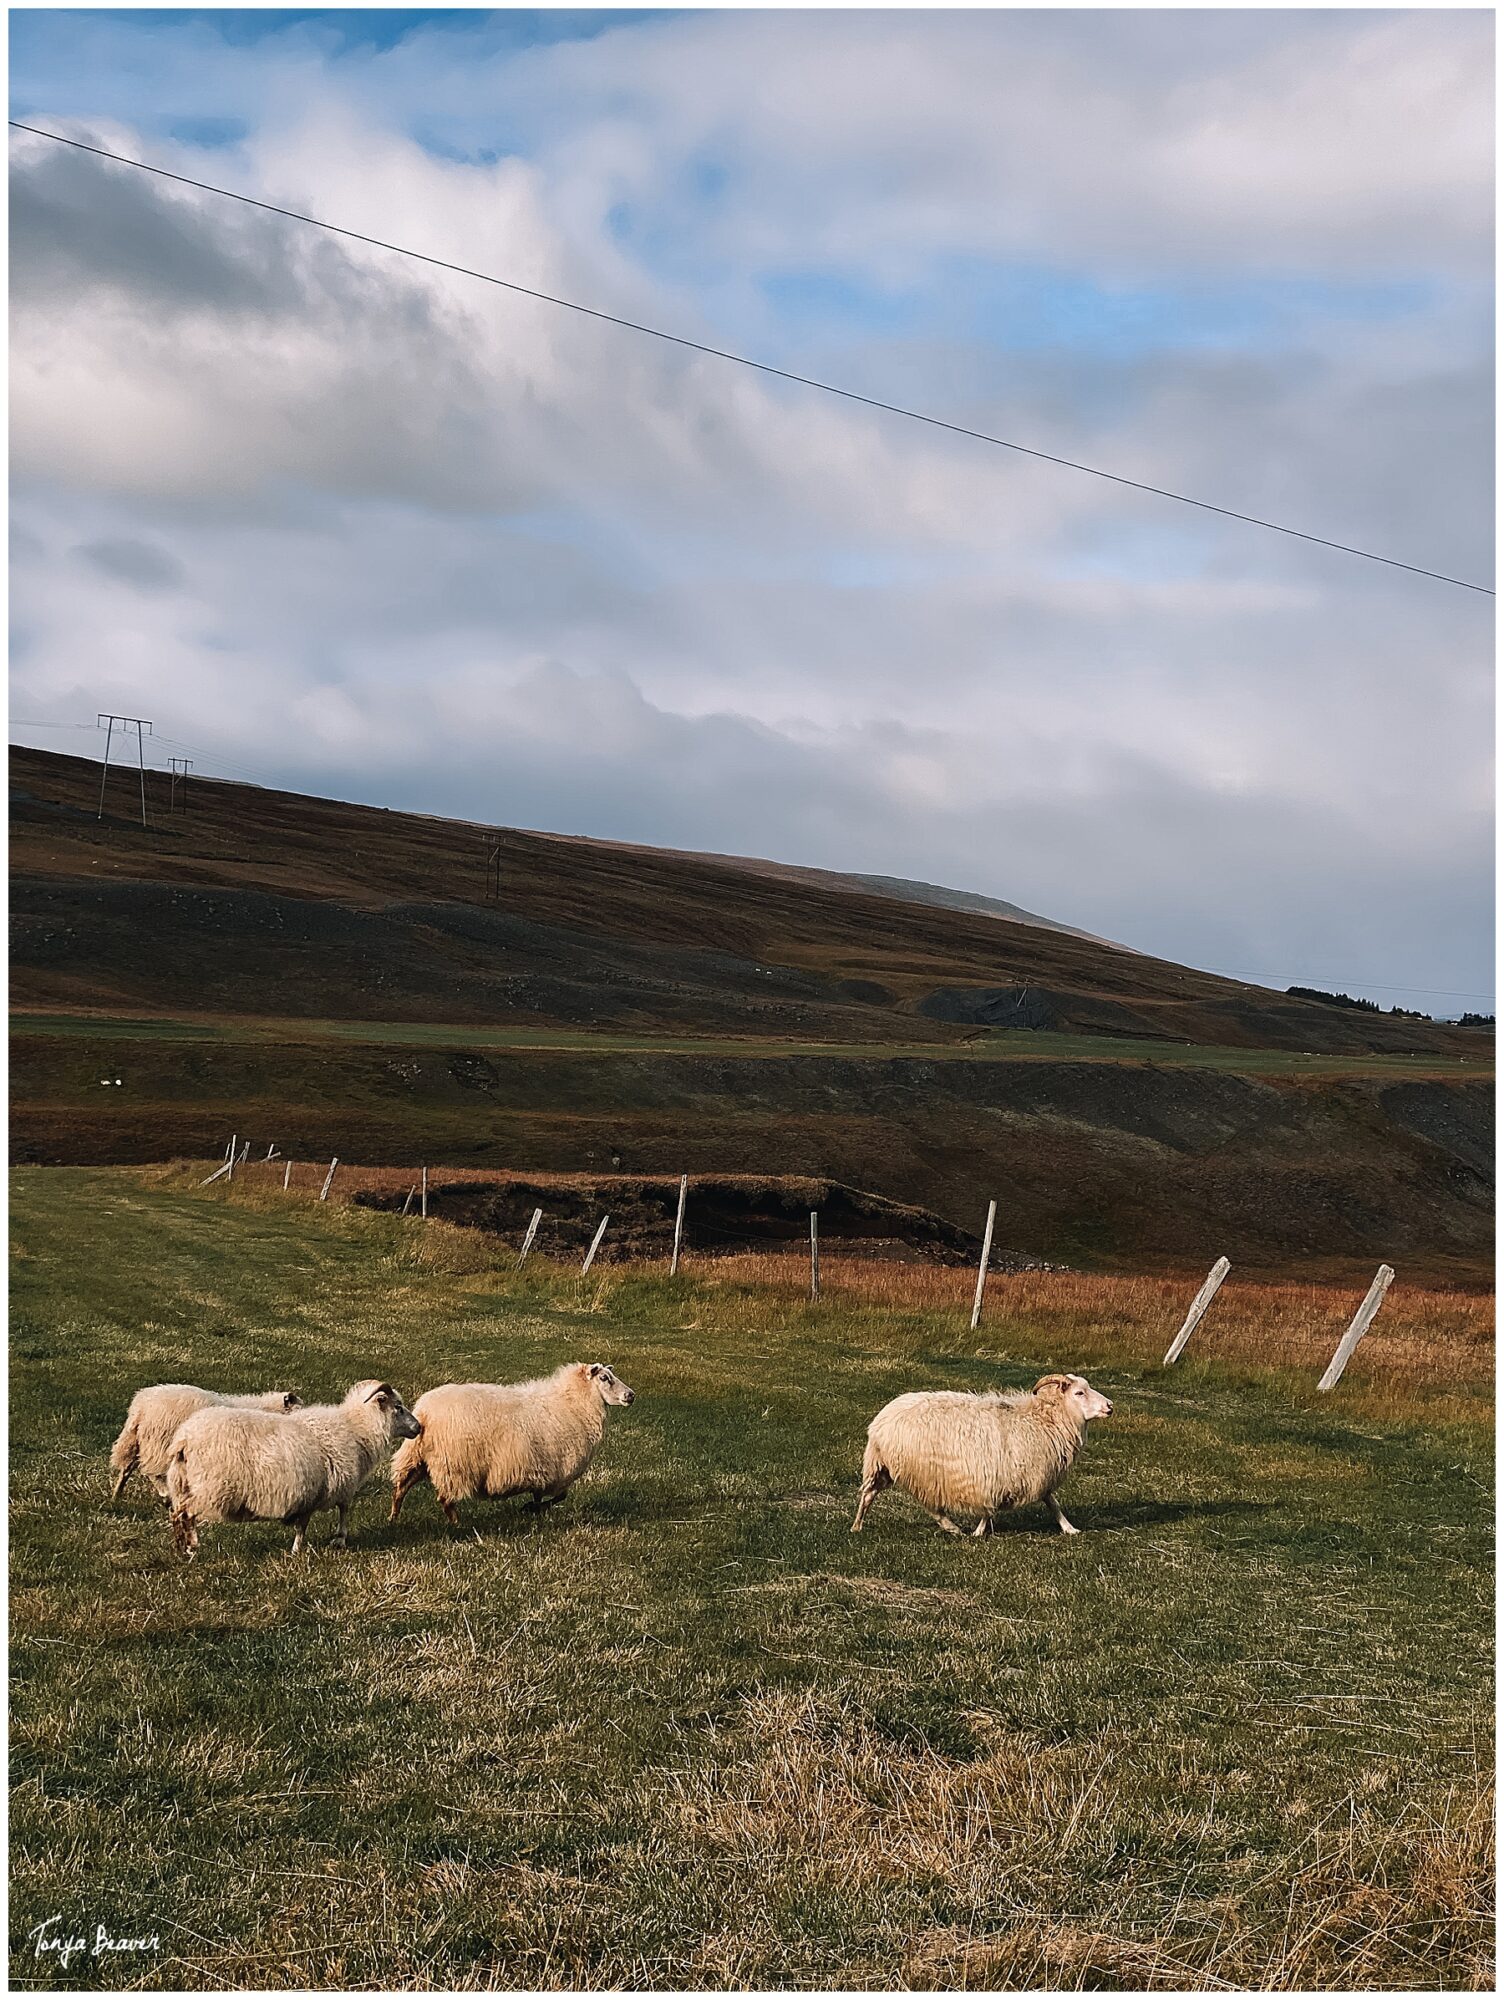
144,564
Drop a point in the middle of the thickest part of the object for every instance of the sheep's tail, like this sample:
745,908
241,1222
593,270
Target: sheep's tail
125,1456
180,1500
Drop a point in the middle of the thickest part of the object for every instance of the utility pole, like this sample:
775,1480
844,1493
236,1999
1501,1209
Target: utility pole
181,766
143,729
493,864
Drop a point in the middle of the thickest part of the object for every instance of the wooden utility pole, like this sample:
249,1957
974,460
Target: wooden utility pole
976,1304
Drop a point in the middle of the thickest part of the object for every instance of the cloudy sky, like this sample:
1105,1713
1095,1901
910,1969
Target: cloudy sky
346,523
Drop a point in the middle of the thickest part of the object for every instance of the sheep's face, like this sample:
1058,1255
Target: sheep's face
400,1421
610,1388
280,1401
1076,1394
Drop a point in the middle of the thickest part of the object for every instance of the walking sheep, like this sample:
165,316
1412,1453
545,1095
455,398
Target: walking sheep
145,1443
245,1465
971,1454
488,1440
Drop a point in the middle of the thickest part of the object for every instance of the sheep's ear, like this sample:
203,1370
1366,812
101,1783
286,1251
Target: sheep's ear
1059,1383
292,1400
595,1371
382,1393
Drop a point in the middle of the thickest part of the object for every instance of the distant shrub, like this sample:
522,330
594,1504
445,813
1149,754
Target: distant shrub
1475,1021
1347,1000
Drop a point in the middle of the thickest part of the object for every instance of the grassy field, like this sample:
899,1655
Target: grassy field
687,1731
103,1031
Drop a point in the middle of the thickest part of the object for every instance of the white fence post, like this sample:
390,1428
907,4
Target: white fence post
408,1199
976,1304
673,1268
1362,1321
527,1241
216,1173
423,1201
286,1176
814,1253
1197,1312
234,1149
329,1178
595,1244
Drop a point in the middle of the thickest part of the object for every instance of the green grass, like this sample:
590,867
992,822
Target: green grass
687,1731
1002,1045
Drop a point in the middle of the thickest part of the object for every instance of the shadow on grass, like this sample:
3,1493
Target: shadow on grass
1145,1514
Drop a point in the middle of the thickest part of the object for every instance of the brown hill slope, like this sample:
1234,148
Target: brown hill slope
263,901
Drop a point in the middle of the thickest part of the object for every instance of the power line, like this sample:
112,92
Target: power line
746,361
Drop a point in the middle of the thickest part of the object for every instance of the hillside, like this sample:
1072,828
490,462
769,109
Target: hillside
335,979
357,912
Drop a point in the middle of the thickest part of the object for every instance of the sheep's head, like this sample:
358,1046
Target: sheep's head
398,1418
1076,1395
281,1401
609,1387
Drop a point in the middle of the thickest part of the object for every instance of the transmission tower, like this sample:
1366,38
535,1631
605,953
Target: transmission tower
143,730
181,766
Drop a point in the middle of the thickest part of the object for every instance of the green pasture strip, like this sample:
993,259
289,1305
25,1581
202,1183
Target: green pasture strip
1009,1045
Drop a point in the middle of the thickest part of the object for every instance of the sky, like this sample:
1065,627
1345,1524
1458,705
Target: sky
342,522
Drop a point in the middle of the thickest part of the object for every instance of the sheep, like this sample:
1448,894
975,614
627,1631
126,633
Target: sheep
977,1454
489,1440
248,1465
145,1443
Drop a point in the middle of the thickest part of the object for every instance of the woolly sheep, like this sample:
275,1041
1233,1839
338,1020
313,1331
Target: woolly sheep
977,1454
145,1443
246,1465
488,1440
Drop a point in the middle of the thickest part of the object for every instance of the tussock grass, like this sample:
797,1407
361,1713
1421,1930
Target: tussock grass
688,1731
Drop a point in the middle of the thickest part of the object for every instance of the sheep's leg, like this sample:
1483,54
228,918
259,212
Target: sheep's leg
300,1533
944,1521
405,1481
185,1534
121,1476
1065,1527
451,1512
341,1539
877,1481
984,1526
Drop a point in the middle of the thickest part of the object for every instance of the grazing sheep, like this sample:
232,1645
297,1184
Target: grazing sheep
487,1440
967,1454
244,1465
145,1444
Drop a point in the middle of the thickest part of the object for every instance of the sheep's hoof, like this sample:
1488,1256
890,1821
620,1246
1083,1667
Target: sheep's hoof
1067,1528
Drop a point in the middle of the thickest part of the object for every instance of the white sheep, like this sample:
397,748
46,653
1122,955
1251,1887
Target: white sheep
246,1465
145,1443
977,1454
488,1440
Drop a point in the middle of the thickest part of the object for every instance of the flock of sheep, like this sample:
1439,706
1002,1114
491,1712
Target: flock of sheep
271,1457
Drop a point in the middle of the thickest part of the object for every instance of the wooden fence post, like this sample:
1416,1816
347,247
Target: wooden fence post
595,1244
329,1178
527,1241
234,1146
408,1199
814,1253
216,1174
423,1203
673,1268
1197,1312
1362,1320
976,1304
286,1176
